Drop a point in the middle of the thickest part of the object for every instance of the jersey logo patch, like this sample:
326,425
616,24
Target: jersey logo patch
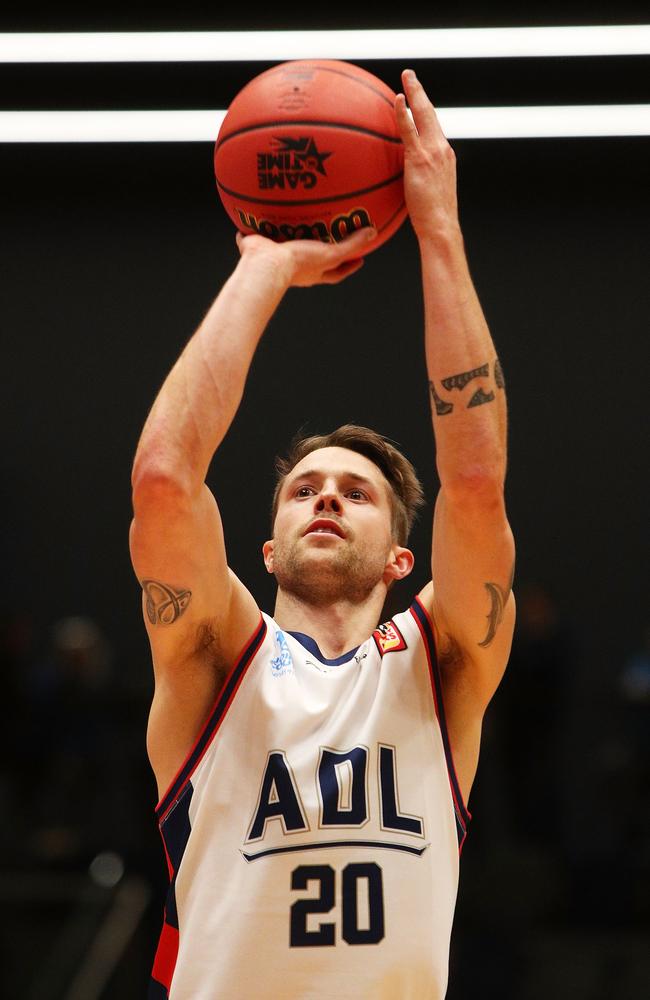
389,639
282,664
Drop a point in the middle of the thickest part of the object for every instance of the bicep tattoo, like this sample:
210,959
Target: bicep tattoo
498,600
165,604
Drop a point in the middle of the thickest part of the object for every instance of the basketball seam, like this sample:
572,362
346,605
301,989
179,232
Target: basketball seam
287,203
344,126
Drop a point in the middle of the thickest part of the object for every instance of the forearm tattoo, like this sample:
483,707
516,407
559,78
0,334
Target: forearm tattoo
498,600
460,381
441,406
164,604
480,397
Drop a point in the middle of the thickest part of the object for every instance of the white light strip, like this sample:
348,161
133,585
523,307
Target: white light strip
203,126
547,121
109,126
405,44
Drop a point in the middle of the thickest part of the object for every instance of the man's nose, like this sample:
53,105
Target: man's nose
328,499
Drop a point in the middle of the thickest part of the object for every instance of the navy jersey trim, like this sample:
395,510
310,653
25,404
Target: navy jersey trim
214,720
463,816
327,844
312,647
175,834
157,991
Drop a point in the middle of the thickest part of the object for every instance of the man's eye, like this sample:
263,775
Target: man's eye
357,495
304,491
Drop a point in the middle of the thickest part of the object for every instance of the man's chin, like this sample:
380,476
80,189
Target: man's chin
322,559
319,577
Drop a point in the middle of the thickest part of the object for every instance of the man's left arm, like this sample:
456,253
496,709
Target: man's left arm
473,550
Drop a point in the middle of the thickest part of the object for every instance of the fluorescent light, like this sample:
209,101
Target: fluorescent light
405,44
548,121
109,126
203,126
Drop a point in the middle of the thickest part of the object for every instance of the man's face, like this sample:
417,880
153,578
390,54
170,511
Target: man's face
332,533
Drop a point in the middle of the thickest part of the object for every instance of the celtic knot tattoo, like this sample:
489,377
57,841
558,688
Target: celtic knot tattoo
164,604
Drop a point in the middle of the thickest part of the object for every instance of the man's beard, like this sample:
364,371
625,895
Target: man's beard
344,576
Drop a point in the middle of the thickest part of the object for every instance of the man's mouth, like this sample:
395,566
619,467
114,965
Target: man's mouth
324,526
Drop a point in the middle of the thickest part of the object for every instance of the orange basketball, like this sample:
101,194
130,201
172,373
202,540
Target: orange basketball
310,150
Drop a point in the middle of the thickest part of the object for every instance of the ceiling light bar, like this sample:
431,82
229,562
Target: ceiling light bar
554,121
405,44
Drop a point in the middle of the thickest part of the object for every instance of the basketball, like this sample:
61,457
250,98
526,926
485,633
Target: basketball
310,150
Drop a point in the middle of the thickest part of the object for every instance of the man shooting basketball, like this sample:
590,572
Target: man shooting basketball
314,766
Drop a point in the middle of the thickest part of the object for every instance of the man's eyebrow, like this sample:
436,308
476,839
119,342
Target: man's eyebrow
315,473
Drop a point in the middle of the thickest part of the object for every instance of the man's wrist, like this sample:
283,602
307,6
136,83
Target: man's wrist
272,266
440,231
444,243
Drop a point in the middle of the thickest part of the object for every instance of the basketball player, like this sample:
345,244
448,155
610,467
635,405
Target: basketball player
314,766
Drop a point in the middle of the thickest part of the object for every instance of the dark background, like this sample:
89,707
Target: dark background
110,255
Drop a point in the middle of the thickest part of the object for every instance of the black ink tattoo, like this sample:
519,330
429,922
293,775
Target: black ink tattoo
461,380
164,604
480,397
498,600
442,407
498,375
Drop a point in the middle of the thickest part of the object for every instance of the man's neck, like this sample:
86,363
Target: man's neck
336,627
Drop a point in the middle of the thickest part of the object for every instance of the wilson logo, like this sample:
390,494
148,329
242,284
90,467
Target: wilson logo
332,232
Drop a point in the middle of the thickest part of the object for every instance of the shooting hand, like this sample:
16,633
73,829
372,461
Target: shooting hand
310,262
429,162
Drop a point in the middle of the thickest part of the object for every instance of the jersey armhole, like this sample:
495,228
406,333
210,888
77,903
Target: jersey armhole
427,631
214,720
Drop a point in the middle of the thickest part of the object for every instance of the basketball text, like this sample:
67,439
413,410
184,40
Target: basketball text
333,232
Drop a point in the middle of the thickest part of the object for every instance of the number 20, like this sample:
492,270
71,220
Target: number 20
300,937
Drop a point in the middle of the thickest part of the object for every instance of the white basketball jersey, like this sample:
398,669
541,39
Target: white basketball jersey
313,833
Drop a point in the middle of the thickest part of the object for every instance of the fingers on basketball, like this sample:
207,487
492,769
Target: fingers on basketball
423,112
405,123
356,242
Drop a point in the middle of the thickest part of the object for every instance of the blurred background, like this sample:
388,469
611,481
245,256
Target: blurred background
110,256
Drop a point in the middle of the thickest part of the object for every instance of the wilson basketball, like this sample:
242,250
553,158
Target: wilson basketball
310,150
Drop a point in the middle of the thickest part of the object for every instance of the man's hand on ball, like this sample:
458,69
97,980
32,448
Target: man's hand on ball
429,162
310,262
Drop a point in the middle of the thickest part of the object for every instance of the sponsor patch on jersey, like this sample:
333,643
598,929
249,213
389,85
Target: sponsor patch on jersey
282,664
389,639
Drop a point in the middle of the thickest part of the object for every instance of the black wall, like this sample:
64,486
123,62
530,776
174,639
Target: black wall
111,255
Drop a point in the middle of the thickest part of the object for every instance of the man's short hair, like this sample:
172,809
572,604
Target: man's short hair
406,493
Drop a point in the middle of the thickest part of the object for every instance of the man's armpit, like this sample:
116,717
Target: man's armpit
450,653
164,603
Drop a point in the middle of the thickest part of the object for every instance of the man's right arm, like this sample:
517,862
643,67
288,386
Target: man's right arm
197,613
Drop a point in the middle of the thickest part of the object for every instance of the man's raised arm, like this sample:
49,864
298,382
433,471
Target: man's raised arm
196,612
473,548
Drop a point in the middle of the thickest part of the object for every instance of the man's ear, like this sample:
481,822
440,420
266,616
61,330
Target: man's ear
267,552
400,563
